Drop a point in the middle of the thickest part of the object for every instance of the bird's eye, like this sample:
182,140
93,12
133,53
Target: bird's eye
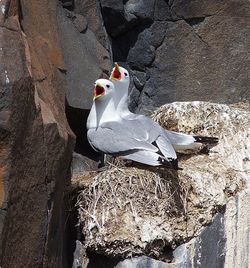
108,86
125,74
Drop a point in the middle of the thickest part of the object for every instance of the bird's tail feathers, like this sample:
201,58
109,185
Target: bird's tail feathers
209,140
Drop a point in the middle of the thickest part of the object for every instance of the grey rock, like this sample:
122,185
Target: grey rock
79,21
86,60
78,260
199,48
141,262
91,11
210,245
114,16
197,9
142,9
134,97
120,18
67,3
155,34
139,60
163,11
139,79
81,164
196,63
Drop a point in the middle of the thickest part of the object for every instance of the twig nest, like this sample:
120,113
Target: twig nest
128,211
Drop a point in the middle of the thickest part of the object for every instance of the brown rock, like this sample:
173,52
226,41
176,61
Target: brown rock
39,140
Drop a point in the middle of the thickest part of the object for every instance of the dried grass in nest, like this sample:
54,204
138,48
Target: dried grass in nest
139,192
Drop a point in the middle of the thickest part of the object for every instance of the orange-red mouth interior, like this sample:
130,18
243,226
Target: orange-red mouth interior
98,90
116,74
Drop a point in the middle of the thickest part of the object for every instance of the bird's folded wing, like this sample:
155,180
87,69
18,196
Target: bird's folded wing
166,147
145,127
133,128
115,138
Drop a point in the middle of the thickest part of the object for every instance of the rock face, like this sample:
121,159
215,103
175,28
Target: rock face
85,58
132,211
51,52
36,141
181,50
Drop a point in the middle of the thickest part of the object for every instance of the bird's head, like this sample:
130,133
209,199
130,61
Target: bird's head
103,89
119,74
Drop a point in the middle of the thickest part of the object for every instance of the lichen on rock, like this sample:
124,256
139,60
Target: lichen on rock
138,210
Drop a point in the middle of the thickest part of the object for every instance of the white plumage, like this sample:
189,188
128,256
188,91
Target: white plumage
110,133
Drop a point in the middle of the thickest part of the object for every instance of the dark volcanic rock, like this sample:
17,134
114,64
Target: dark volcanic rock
198,64
142,9
192,50
210,246
91,11
114,16
85,61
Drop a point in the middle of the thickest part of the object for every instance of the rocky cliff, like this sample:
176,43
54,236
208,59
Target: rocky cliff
51,52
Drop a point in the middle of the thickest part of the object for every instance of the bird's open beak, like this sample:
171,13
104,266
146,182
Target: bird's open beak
98,91
116,75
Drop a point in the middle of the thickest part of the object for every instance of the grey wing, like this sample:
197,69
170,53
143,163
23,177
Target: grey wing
166,147
155,133
134,129
179,141
144,157
116,140
141,127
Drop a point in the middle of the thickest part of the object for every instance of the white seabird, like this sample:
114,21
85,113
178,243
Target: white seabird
111,134
180,141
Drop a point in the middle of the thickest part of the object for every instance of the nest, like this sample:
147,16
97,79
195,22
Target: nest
134,210
121,191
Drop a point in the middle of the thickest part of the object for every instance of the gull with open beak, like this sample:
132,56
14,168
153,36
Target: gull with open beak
180,141
111,134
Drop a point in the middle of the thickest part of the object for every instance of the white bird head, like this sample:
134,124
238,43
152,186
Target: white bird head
103,89
120,77
120,74
103,108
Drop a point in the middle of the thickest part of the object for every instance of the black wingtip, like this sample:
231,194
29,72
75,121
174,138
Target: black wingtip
210,140
170,163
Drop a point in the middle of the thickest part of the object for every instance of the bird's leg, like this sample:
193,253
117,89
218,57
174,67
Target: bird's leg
102,160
